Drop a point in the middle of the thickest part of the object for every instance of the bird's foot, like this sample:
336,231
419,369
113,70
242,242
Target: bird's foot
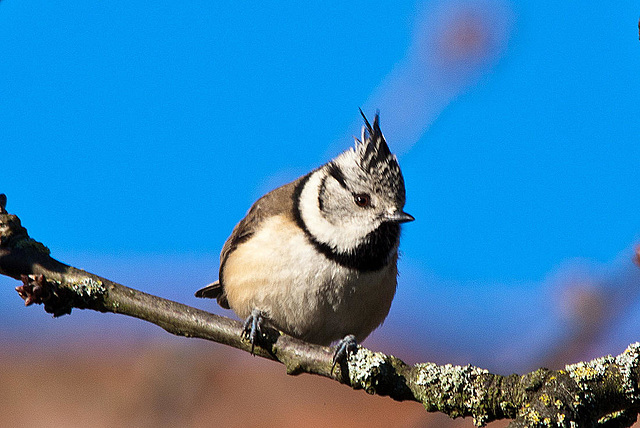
252,330
344,348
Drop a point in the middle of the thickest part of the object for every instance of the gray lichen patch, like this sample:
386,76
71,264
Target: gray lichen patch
82,293
452,389
88,288
628,364
365,368
589,371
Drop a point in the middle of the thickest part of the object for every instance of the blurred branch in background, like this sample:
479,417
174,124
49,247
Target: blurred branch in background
602,392
454,43
592,305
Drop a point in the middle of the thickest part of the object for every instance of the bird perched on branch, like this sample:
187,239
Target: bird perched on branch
317,257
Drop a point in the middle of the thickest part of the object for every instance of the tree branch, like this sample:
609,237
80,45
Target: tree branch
604,392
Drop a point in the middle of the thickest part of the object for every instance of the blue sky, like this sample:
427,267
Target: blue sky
135,135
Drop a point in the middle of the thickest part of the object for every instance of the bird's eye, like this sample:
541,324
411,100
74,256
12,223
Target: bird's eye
362,200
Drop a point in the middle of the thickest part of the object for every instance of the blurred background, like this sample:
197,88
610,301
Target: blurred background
134,135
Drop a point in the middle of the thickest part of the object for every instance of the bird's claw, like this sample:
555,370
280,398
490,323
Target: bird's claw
253,328
344,348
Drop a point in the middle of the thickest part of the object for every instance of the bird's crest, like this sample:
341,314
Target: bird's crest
374,157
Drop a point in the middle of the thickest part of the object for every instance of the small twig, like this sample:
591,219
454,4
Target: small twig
602,392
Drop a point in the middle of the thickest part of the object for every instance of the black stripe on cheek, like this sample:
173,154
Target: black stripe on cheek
335,172
296,203
372,255
323,186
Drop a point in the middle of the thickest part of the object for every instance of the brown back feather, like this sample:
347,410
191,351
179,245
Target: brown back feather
276,202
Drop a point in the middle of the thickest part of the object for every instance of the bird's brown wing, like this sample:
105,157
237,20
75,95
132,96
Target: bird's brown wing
211,291
276,202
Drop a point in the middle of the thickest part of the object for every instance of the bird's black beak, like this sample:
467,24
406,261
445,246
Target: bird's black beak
400,217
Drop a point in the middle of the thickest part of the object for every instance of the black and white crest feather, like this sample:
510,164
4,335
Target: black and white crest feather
375,158
372,149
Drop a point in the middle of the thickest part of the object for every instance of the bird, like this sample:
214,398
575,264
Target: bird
317,257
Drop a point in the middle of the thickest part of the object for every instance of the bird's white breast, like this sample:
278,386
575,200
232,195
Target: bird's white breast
303,293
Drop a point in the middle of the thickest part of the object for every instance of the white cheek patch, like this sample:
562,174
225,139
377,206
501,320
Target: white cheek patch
344,237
